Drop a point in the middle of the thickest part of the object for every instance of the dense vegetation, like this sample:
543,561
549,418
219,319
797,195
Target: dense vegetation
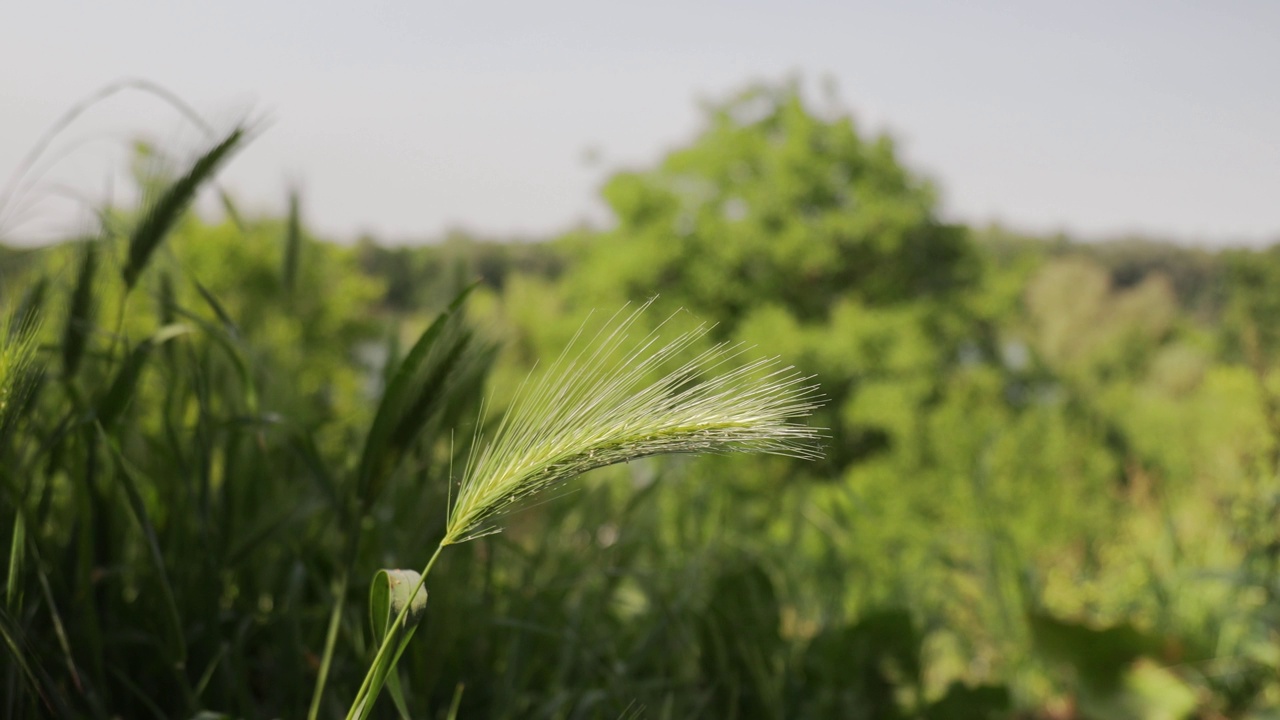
1049,486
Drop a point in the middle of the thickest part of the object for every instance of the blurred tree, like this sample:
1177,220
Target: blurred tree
316,341
428,276
1083,324
775,201
790,230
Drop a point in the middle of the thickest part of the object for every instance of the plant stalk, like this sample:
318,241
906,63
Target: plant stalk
389,639
330,641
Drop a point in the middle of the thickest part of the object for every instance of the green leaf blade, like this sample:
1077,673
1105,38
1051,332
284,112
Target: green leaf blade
394,593
164,214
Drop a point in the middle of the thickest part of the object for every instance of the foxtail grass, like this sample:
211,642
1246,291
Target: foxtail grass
587,412
167,209
20,371
598,405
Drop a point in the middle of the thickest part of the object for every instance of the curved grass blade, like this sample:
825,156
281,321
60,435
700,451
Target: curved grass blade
166,299
233,212
414,396
59,627
75,335
17,546
123,387
27,318
162,216
443,362
14,187
394,592
223,316
12,638
227,336
176,641
456,703
292,244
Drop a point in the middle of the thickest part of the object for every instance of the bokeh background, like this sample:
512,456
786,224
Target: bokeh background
1025,252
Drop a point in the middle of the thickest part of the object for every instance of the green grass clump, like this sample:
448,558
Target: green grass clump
598,405
211,438
19,370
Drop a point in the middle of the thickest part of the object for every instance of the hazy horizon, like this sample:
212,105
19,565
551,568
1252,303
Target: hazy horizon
501,119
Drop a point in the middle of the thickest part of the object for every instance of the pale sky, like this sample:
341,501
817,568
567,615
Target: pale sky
407,119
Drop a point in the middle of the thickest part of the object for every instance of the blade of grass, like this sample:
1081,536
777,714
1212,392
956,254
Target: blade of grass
205,677
59,628
123,387
12,641
212,301
456,702
229,207
362,705
80,314
330,641
147,701
231,342
17,551
13,189
392,592
177,645
166,210
292,244
411,398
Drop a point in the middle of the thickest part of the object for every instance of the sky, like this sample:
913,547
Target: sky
405,120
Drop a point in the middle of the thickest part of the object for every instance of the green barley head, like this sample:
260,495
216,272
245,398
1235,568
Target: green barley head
587,411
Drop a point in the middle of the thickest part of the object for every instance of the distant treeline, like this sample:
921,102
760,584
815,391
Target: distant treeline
421,275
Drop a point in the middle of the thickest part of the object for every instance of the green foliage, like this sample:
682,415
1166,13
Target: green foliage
393,592
80,311
170,491
1015,423
444,366
432,274
19,373
773,201
1049,486
164,212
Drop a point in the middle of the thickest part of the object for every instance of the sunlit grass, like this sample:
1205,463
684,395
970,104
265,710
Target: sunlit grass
589,410
598,405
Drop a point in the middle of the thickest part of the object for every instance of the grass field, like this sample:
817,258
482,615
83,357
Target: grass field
246,472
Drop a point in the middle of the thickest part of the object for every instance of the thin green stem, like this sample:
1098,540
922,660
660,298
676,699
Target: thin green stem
330,641
389,639
335,619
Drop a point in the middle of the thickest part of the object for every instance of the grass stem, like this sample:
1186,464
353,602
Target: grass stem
363,702
330,641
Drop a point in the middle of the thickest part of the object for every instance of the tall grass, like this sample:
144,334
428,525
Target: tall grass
197,489
600,405
179,536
